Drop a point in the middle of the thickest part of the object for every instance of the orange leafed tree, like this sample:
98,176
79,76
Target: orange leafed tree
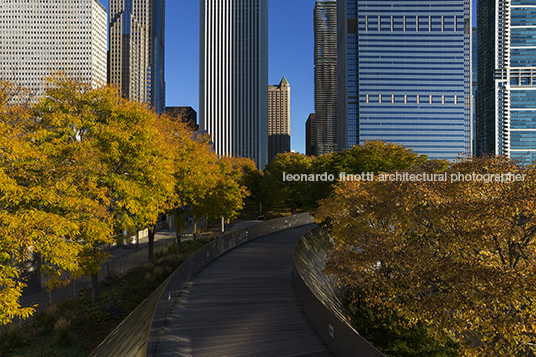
42,208
459,254
121,151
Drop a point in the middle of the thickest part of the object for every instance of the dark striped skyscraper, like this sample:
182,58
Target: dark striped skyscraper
404,74
137,50
506,108
325,57
233,85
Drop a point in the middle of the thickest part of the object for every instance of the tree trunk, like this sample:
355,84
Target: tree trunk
195,228
151,244
95,287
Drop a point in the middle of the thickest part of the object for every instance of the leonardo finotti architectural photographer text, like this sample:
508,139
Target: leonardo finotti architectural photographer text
406,176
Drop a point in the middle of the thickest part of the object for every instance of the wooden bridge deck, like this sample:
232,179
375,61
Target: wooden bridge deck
244,304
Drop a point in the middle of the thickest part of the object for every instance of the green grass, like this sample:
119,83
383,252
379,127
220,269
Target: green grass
76,327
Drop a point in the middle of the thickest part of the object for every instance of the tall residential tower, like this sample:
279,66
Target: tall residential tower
233,79
41,38
506,108
278,119
137,50
405,74
325,57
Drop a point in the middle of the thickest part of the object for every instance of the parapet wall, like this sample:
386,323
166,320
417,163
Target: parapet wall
139,334
322,301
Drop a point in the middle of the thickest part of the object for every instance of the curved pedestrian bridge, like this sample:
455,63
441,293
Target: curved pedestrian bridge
243,304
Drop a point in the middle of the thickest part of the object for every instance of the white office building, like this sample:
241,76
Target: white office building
233,88
40,38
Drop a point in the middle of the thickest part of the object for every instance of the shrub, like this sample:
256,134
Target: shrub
62,333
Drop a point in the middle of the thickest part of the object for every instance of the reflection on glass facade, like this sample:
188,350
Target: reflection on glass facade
404,70
507,37
137,43
474,88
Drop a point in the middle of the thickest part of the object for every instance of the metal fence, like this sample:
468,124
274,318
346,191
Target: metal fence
116,266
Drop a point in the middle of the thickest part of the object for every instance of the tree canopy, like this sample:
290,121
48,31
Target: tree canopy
372,157
458,254
81,165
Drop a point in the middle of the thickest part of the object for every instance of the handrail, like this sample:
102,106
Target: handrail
322,301
139,334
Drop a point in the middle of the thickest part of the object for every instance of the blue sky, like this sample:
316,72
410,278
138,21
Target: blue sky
290,54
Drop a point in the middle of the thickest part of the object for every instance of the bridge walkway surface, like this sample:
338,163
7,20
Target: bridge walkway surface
244,304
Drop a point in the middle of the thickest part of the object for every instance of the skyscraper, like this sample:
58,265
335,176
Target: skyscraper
310,138
186,115
137,38
474,88
233,79
325,57
506,121
41,38
278,119
404,74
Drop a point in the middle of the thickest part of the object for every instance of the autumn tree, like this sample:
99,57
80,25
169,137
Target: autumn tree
196,173
458,253
118,151
226,199
42,208
252,180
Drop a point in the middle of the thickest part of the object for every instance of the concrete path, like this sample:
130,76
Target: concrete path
244,304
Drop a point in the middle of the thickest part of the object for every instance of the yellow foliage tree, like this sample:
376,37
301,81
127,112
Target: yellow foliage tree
208,185
226,198
118,151
42,210
459,254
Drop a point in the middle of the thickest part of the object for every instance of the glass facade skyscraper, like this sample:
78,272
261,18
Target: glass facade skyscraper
474,61
325,57
137,42
404,74
506,122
